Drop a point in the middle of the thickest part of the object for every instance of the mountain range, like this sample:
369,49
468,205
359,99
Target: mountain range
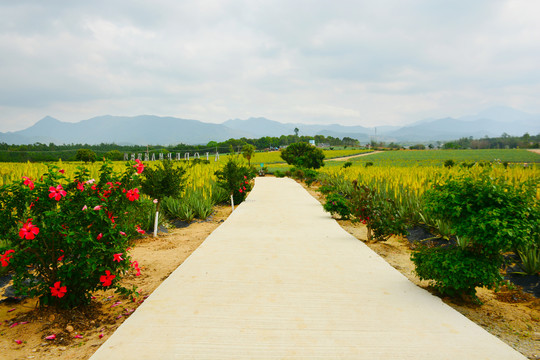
150,129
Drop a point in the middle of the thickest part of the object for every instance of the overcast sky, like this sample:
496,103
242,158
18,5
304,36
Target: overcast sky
354,62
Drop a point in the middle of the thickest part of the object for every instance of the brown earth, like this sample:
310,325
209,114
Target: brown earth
157,257
510,314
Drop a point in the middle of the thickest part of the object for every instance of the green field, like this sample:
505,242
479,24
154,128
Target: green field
438,157
273,157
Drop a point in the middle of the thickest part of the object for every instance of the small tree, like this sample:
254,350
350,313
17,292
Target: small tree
248,151
234,178
163,181
303,155
85,155
114,155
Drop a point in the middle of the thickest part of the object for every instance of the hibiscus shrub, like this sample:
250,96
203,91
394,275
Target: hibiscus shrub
235,178
65,238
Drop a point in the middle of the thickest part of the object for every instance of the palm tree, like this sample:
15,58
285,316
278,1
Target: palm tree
296,130
247,151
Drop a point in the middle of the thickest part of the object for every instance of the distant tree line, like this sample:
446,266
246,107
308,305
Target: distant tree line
505,141
39,152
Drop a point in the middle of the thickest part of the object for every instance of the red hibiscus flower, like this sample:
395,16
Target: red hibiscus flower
28,231
4,258
139,230
80,186
100,235
133,194
135,264
57,290
107,278
139,166
28,182
56,192
118,257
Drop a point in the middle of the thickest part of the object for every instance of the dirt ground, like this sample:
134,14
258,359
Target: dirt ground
80,332
510,314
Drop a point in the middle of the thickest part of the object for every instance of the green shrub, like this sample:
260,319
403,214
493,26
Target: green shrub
379,213
165,180
347,164
456,271
69,237
337,204
449,163
303,155
235,179
488,216
85,155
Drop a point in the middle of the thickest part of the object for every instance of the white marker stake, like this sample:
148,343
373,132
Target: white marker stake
232,203
156,223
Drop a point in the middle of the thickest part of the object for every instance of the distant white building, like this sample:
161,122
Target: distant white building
312,142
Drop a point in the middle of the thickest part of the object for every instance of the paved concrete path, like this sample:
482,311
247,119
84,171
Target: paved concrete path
281,280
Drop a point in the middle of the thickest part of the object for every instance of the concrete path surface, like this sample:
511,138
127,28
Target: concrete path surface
280,279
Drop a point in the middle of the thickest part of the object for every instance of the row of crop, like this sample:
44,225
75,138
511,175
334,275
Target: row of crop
438,157
475,214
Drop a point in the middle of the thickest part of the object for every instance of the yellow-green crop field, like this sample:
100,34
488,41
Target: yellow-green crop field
273,157
419,178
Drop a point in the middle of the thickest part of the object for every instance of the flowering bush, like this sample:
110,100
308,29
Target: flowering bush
235,179
380,214
65,238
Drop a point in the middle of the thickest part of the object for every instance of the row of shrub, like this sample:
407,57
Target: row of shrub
477,219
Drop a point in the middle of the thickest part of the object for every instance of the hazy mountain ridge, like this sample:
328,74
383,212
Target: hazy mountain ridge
150,129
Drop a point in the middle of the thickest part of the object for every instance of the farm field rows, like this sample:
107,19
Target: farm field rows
438,157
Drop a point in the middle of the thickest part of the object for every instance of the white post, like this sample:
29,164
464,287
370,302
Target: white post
156,223
232,203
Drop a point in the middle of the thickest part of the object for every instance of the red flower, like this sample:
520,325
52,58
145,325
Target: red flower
135,264
4,258
139,230
29,182
32,203
80,186
56,192
28,231
240,189
100,235
133,194
61,256
118,257
61,171
57,290
107,278
139,166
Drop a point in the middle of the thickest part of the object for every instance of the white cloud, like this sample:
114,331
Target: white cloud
351,62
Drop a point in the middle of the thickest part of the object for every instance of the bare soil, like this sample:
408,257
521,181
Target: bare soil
510,314
80,332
